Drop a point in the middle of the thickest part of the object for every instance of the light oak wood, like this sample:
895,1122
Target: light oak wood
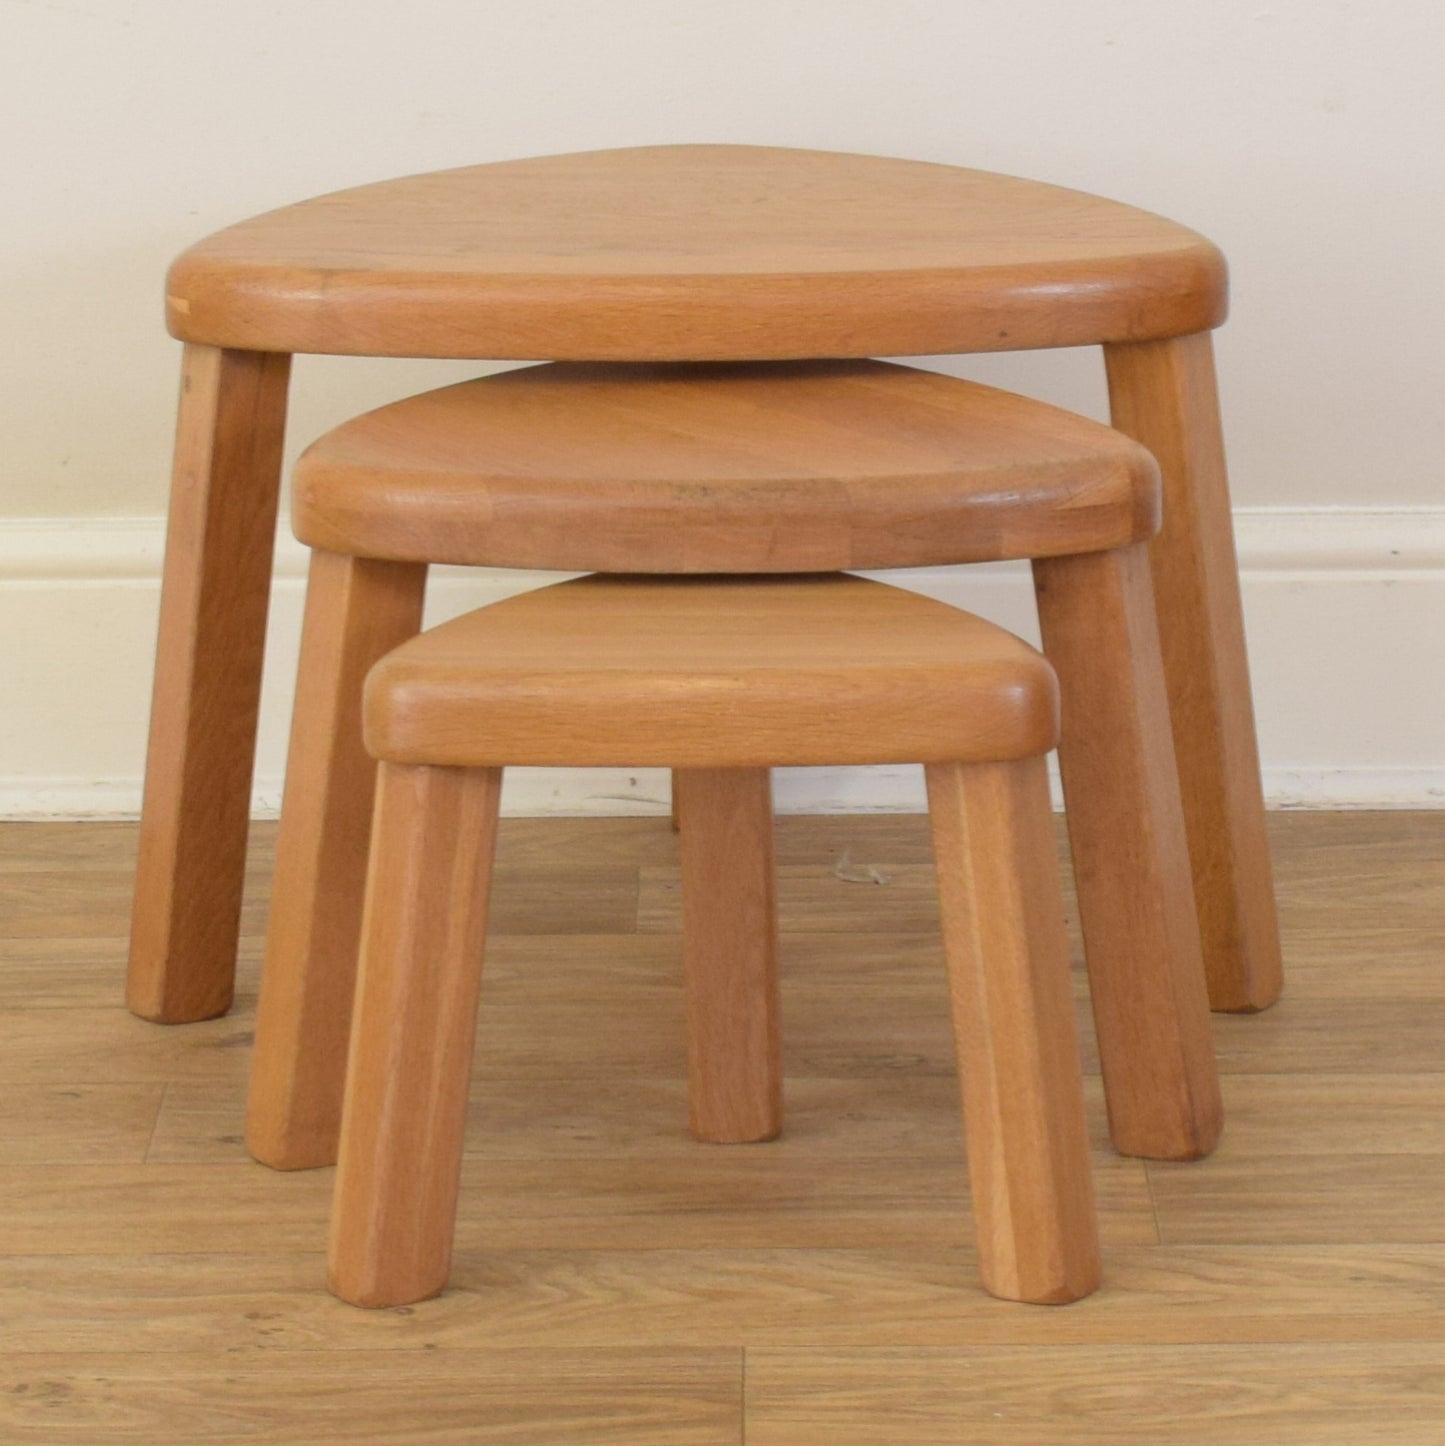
415,1021
1164,393
695,253
1013,1016
730,955
1002,922
702,673
808,467
1131,864
356,611
214,600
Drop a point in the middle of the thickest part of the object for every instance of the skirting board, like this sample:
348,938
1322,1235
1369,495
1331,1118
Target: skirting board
1344,609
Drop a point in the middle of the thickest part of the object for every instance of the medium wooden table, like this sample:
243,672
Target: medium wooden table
673,253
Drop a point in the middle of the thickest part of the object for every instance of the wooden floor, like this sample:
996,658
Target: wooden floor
616,1282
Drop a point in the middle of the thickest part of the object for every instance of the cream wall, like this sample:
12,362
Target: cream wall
1305,138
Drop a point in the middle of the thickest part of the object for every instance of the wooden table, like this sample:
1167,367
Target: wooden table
673,253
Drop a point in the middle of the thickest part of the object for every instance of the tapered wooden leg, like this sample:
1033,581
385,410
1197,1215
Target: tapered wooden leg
729,934
214,596
1164,394
1131,861
356,610
412,1034
1013,1018
676,811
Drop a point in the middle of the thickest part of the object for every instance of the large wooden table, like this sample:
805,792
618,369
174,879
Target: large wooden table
673,253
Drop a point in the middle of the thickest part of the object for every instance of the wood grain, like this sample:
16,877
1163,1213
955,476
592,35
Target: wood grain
672,253
559,1296
214,600
356,611
1389,1199
417,984
835,1026
588,1218
714,672
200,1119
818,899
98,904
617,1395
730,955
716,1199
49,1124
1013,1018
1131,862
808,467
1316,1395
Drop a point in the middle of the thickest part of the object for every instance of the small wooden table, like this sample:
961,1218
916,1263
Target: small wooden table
686,253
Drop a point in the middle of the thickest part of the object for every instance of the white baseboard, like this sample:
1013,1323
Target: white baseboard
1344,610
1355,787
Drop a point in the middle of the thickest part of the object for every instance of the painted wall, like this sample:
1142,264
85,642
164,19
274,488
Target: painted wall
1303,137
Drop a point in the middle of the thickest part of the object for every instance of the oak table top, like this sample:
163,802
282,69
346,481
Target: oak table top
696,252
722,467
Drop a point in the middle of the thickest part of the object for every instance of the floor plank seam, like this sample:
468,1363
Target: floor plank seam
145,1158
1153,1204
743,1397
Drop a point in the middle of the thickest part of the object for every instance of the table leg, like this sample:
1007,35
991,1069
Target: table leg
1013,1020
1163,393
394,1209
730,954
216,588
1131,859
357,610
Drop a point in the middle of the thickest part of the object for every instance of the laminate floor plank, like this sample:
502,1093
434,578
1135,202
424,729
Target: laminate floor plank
1273,1116
867,1116
74,1124
70,844
94,903
1303,1199
570,1116
1326,1036
109,1046
1282,1395
271,1301
519,1397
814,898
86,903
563,899
716,1198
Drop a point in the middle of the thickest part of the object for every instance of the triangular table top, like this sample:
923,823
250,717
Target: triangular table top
819,466
695,253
